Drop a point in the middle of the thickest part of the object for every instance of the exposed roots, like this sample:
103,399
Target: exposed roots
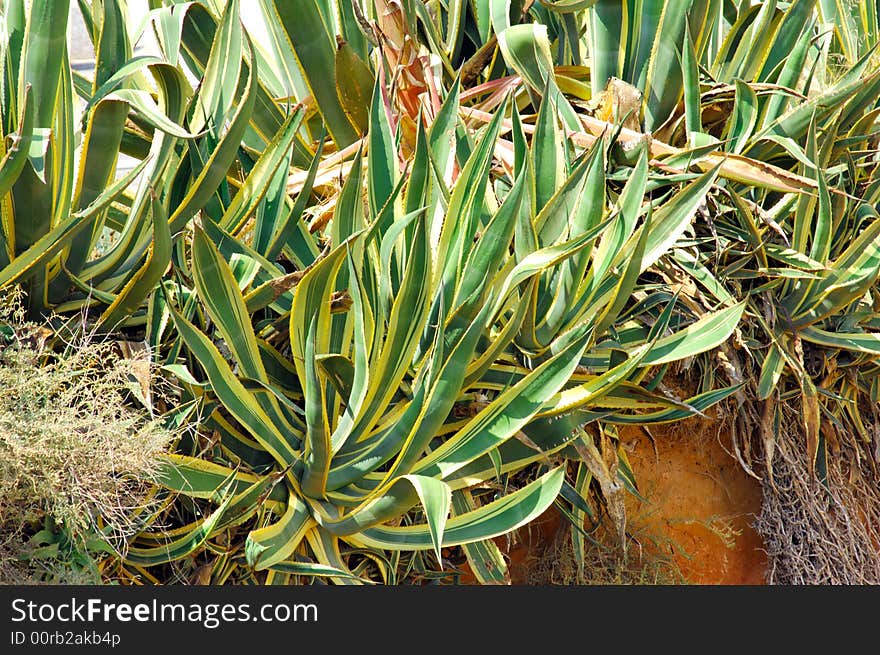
815,533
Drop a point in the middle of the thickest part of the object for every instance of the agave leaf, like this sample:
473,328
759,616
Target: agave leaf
183,546
496,518
406,321
145,279
696,405
311,43
540,260
433,399
587,213
142,102
506,415
292,231
219,293
793,258
674,216
232,393
566,6
245,263
267,546
59,236
745,116
466,204
130,68
608,30
247,502
314,569
220,80
485,559
703,275
200,478
691,87
382,173
363,334
135,235
847,30
771,371
863,342
849,277
44,51
215,168
317,447
501,340
325,548
252,192
662,87
702,335
795,122
354,84
98,160
487,256
547,153
526,49
745,170
16,156
388,501
441,135
624,288
590,392
581,511
629,203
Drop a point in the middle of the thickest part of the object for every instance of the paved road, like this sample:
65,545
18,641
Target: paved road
79,43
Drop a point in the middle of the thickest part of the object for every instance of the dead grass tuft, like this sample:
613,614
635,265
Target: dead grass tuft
76,454
603,565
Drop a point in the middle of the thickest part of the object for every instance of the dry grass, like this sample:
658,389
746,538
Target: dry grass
603,565
76,454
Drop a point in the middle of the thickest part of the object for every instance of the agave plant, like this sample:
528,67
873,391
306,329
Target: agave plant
52,211
78,233
460,330
806,263
344,385
764,85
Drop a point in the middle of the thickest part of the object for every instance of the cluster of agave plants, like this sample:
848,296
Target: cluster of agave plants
409,263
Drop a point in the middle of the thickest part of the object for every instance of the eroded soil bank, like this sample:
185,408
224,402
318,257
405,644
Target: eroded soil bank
701,503
699,510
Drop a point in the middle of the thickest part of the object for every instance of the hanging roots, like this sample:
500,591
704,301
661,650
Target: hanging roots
820,534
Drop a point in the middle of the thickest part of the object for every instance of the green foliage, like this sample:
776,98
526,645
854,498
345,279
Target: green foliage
405,256
80,231
432,352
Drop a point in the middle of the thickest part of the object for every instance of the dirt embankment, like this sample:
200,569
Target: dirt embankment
701,503
698,515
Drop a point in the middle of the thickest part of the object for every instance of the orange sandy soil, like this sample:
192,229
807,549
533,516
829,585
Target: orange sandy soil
700,499
699,510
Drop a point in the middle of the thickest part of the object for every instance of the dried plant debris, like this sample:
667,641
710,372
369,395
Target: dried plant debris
602,565
76,454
